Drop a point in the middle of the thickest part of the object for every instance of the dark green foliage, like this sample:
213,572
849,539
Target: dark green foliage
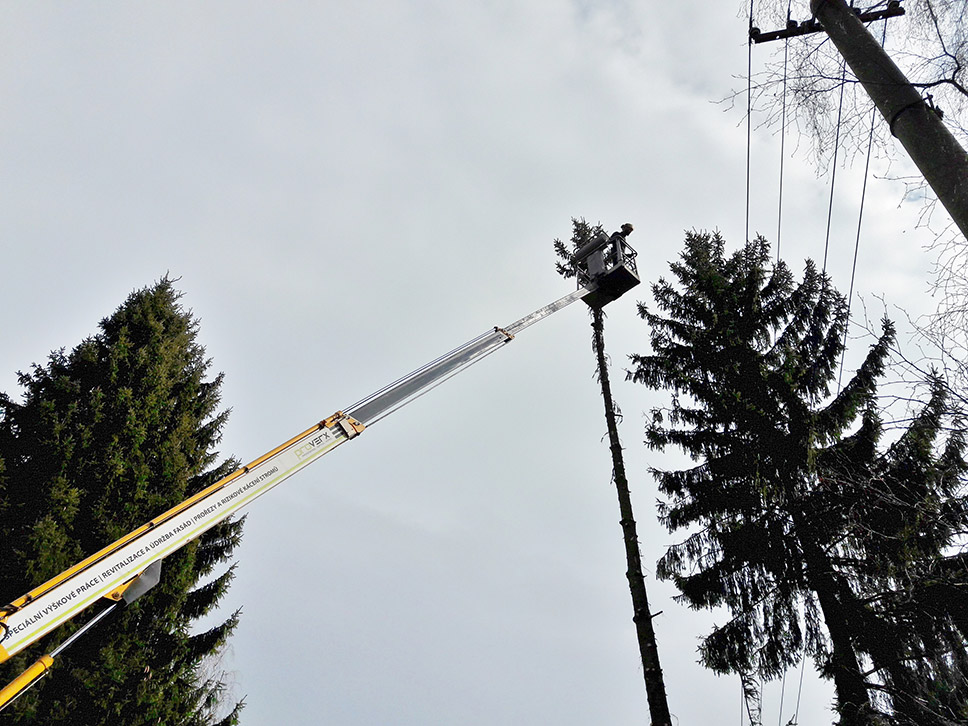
791,519
741,346
582,233
107,436
901,514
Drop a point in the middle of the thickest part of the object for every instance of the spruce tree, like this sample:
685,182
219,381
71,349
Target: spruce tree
105,437
790,505
901,515
750,356
582,234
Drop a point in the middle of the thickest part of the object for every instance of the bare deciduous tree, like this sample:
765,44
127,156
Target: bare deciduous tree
805,85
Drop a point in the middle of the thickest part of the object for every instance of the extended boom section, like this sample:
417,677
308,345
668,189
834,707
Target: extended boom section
105,574
126,569
401,392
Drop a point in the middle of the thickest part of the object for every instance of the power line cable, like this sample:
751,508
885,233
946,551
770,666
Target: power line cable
833,170
860,217
853,269
749,144
749,114
779,210
796,710
779,718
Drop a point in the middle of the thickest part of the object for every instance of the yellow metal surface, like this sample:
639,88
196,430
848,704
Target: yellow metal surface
117,593
173,512
22,682
332,420
349,427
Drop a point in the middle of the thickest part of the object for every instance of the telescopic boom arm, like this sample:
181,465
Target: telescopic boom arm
116,568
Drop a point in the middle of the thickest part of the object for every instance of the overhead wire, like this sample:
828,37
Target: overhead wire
779,209
860,218
749,145
779,227
796,710
833,165
826,248
743,704
833,177
749,114
779,718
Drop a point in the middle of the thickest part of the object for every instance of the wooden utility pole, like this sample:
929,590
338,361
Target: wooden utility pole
915,122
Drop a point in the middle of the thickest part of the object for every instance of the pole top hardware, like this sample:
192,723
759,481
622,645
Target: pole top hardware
812,25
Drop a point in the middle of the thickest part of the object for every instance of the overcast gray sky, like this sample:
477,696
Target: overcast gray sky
346,190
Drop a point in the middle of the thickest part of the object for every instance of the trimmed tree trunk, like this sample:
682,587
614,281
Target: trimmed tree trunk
642,616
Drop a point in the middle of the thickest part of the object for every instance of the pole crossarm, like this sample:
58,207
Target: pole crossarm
812,25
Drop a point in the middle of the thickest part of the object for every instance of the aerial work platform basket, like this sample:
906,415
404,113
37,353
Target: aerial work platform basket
608,265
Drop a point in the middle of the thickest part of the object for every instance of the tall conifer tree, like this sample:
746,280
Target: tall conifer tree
774,510
106,437
901,515
582,234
